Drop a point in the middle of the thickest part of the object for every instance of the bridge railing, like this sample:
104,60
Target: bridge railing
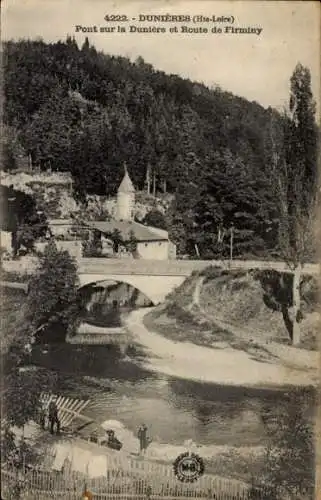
157,267
179,267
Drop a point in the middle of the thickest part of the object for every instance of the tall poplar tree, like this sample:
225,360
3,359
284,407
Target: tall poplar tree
295,181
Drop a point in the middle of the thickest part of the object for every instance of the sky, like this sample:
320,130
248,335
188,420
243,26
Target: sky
255,67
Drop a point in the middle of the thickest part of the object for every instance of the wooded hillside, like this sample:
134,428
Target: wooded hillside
75,109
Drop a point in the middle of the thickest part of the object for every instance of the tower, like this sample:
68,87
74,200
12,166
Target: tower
125,198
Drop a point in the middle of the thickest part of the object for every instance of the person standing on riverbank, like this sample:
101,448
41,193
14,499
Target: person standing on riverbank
143,439
42,416
53,417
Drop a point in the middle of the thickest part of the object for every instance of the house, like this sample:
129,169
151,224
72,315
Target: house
116,234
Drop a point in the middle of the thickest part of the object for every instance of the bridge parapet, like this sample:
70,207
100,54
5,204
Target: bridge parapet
142,267
178,267
104,266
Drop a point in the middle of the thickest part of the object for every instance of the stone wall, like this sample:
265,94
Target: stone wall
53,193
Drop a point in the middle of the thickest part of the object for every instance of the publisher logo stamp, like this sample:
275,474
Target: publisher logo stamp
188,467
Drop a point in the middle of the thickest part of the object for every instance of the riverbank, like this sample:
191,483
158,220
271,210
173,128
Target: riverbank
244,309
235,463
220,364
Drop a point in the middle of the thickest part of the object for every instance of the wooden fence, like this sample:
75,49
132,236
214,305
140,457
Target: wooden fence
126,478
68,408
116,485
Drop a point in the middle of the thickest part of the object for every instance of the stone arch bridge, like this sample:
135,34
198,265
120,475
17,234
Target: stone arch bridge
154,278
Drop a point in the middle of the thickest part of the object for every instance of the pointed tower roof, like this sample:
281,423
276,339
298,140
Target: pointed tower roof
126,185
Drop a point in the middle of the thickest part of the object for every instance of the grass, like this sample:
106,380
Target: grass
184,326
204,334
238,298
237,465
231,310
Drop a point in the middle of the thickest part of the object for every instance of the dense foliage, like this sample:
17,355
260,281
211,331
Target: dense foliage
19,214
47,314
289,465
86,112
21,387
294,175
155,218
52,306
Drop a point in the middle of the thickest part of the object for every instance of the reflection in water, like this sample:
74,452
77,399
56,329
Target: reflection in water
174,410
105,303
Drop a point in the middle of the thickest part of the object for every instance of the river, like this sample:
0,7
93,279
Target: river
175,410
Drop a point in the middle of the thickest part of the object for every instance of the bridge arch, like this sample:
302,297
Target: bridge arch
155,288
108,283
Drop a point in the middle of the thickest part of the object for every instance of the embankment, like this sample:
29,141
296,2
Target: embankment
232,326
216,304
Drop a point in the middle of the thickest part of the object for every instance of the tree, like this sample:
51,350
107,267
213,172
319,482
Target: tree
85,46
52,307
92,244
27,233
289,461
117,240
131,244
295,183
155,218
20,215
224,193
50,311
48,137
21,385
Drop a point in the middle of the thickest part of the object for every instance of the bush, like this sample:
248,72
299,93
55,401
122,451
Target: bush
52,302
289,465
211,273
180,314
155,218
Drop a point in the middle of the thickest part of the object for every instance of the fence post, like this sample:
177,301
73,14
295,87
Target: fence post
148,492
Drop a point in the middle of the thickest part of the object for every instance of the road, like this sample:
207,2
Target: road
222,365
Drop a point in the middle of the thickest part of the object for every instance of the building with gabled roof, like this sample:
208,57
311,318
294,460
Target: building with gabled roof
151,243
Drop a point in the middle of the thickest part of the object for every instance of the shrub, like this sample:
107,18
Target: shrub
289,464
155,218
211,273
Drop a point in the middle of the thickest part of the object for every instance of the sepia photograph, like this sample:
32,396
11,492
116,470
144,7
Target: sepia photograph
160,249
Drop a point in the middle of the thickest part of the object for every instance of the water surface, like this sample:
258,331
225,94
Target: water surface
175,410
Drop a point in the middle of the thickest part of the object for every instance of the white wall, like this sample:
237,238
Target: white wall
5,240
156,288
171,247
125,206
157,250
74,248
60,226
171,251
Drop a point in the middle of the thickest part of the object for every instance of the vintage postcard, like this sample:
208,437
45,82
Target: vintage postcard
159,249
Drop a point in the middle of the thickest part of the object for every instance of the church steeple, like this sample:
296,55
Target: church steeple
125,198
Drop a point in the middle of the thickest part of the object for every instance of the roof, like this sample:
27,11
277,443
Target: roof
60,222
141,232
126,185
